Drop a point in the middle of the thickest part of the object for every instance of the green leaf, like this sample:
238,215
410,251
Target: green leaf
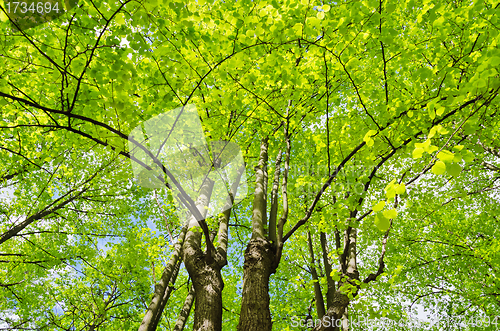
400,188
379,206
335,275
391,213
382,223
298,29
440,110
445,155
438,22
432,114
417,153
439,168
369,134
454,169
468,156
495,61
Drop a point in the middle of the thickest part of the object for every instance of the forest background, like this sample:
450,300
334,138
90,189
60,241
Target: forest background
370,136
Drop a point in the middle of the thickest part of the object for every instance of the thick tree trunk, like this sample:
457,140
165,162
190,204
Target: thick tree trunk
208,285
255,314
204,271
332,320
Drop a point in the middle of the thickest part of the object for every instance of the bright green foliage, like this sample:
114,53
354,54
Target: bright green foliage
439,168
382,222
400,96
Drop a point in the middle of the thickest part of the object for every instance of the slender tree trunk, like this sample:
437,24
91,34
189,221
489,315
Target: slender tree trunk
337,311
166,296
318,295
186,309
162,289
328,270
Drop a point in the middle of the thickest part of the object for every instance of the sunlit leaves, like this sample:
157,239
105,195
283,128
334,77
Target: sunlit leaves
382,222
367,138
454,169
241,64
379,206
439,168
391,213
445,156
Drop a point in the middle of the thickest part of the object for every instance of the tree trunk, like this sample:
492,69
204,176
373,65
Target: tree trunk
337,311
186,309
163,288
332,320
259,258
255,314
204,271
204,268
318,295
208,285
328,270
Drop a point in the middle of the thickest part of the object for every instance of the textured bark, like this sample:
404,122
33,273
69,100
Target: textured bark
336,314
204,271
273,214
352,266
333,317
318,295
259,215
186,309
345,321
207,283
280,241
255,314
259,258
328,270
222,235
166,296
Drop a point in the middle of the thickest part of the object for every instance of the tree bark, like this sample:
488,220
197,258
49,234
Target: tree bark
273,214
259,258
186,309
255,314
162,289
204,272
166,296
318,295
332,320
328,270
259,216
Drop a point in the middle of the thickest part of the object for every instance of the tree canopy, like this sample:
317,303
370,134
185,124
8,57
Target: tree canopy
369,132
